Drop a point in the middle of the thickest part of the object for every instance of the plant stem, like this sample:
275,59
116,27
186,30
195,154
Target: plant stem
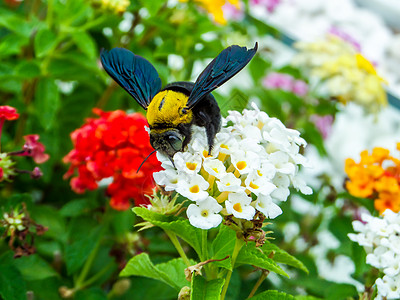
86,267
238,245
96,276
174,240
204,251
264,275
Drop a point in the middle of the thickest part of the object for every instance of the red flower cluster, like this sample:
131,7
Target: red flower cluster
113,145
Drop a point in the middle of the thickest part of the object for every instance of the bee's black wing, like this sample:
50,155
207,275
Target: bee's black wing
226,65
132,72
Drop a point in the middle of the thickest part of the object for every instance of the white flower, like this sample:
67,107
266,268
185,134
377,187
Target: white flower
230,183
205,214
238,204
266,205
281,162
214,167
187,162
259,185
244,162
195,189
167,178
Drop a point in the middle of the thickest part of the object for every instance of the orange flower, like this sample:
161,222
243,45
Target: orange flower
377,175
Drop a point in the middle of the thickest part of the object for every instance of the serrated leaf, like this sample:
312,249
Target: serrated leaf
223,245
272,295
85,43
175,269
34,267
140,265
281,256
202,289
45,41
47,102
12,284
77,253
251,256
180,226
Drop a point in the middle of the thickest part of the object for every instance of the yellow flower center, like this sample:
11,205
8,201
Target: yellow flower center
205,153
204,213
253,186
194,189
259,173
237,207
215,170
224,146
191,166
241,165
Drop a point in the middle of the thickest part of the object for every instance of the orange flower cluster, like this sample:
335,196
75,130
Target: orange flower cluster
376,176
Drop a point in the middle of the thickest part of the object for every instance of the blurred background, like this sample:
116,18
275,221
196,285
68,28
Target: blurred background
330,69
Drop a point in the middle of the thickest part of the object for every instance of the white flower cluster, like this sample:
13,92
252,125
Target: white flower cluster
381,239
254,161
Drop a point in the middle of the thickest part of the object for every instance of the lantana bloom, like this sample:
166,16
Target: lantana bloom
112,147
380,238
341,72
376,176
254,161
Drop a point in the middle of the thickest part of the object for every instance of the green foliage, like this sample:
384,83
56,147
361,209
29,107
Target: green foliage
171,273
50,72
206,290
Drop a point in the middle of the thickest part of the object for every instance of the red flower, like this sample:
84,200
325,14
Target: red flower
35,149
8,113
113,146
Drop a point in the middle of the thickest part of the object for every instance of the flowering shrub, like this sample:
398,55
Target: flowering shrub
113,146
380,238
342,72
376,176
253,163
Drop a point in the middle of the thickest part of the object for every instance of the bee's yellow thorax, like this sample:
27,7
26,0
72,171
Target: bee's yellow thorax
166,109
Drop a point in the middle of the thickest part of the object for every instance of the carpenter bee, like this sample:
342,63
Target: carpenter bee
172,111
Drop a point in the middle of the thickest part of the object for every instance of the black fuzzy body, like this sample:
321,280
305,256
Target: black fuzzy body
206,114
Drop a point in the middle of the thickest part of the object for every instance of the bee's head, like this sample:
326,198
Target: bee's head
168,142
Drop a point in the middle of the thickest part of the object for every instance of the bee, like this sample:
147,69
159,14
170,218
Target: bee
173,110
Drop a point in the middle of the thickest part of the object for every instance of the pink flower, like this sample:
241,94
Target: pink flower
270,5
285,82
300,88
231,12
346,37
323,124
276,80
33,148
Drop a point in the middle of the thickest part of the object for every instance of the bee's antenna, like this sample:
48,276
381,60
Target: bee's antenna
145,160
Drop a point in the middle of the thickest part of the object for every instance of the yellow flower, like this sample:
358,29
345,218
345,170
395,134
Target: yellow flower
346,74
214,7
116,6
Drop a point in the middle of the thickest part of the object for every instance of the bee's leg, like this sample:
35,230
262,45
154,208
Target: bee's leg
211,131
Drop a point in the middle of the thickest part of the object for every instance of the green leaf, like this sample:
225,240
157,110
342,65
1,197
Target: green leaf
33,267
170,273
85,43
281,256
272,295
15,23
249,255
45,41
340,291
78,252
27,70
202,289
181,227
47,102
153,6
223,245
12,44
12,284
75,208
49,217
